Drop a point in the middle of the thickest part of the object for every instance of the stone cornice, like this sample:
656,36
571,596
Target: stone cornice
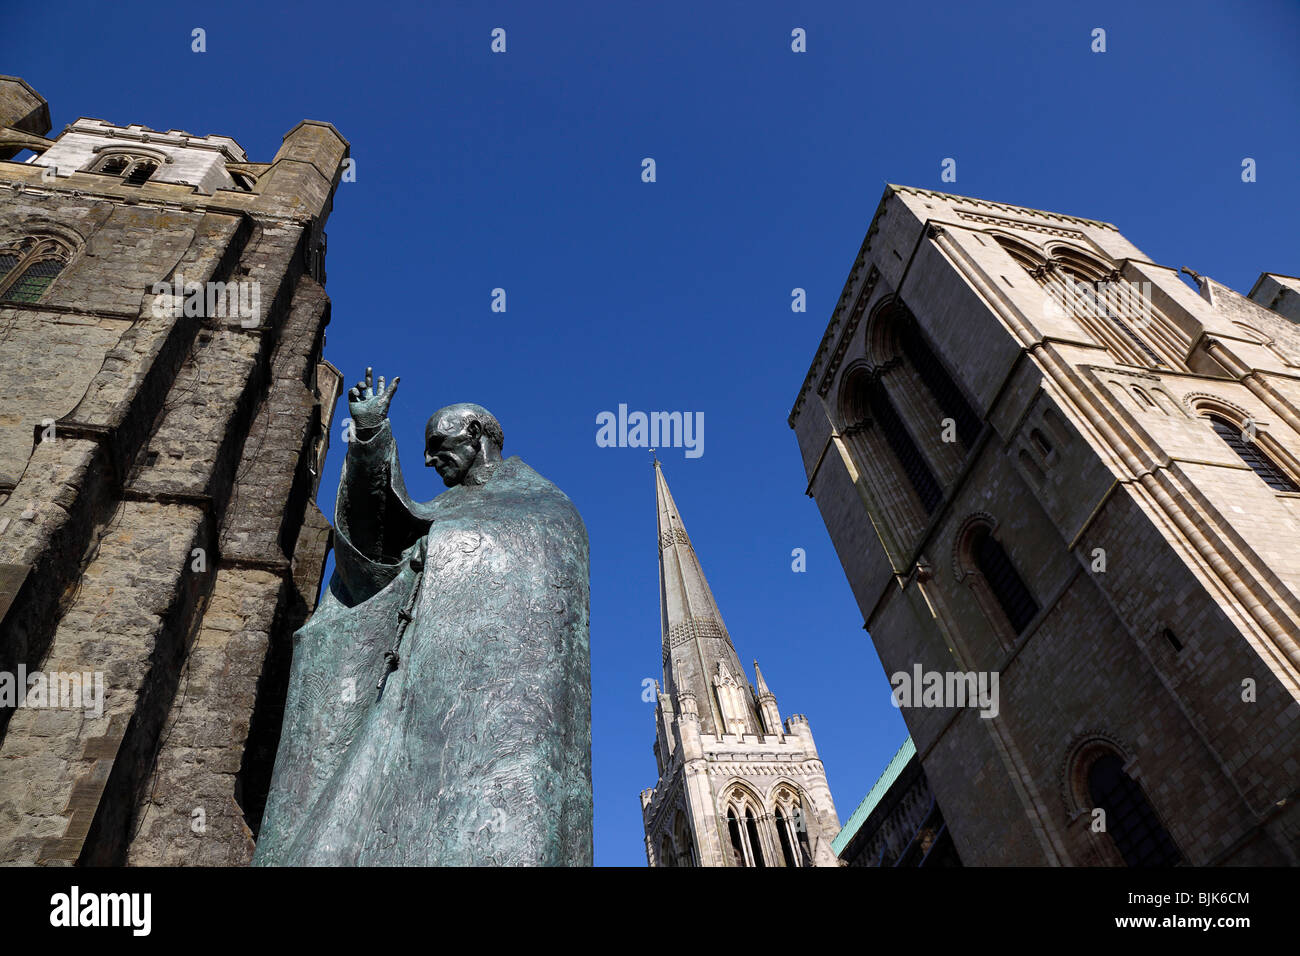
42,188
1002,207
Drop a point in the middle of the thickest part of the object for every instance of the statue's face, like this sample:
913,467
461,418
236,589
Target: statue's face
450,445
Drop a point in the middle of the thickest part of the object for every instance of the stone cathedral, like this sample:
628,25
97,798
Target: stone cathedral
1042,456
162,317
737,787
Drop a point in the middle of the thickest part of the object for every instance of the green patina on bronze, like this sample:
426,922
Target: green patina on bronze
439,708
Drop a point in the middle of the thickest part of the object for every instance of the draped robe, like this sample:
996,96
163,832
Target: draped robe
477,751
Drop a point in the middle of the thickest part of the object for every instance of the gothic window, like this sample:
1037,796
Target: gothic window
946,393
783,832
140,173
755,845
791,826
682,839
1253,455
134,168
744,826
737,841
1131,822
666,855
30,266
804,848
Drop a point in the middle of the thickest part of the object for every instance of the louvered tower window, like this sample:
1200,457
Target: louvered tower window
1253,455
1130,819
116,165
140,174
947,395
904,448
1003,580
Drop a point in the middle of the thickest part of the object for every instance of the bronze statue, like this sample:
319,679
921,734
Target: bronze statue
439,707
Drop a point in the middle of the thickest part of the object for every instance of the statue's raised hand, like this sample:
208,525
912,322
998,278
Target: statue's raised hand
368,405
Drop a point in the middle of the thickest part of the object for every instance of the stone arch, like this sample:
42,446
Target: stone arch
1027,256
960,561
887,455
31,263
746,823
1134,834
1265,455
982,563
1083,748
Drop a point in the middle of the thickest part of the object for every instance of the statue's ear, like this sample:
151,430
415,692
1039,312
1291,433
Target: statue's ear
475,429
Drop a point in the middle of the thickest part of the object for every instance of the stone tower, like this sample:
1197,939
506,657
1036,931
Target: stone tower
162,316
736,786
1043,457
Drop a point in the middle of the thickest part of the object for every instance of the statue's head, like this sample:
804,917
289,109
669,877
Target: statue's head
463,441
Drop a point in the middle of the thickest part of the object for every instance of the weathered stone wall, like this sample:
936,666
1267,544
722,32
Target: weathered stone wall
165,536
1166,572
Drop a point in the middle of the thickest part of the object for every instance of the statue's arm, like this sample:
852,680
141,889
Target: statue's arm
373,511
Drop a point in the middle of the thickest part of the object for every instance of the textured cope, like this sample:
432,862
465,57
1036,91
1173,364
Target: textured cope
477,751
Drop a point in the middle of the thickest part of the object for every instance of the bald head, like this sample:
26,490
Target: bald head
462,441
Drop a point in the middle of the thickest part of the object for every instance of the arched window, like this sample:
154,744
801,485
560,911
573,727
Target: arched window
140,173
801,832
947,394
1008,588
1130,820
1253,455
666,855
787,845
755,845
30,266
881,414
682,839
737,841
1101,302
135,168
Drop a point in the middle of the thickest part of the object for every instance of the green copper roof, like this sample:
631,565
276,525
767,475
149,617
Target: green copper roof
874,796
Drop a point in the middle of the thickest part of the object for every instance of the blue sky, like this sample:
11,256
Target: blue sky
522,171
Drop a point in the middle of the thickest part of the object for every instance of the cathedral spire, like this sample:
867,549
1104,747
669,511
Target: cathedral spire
698,656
